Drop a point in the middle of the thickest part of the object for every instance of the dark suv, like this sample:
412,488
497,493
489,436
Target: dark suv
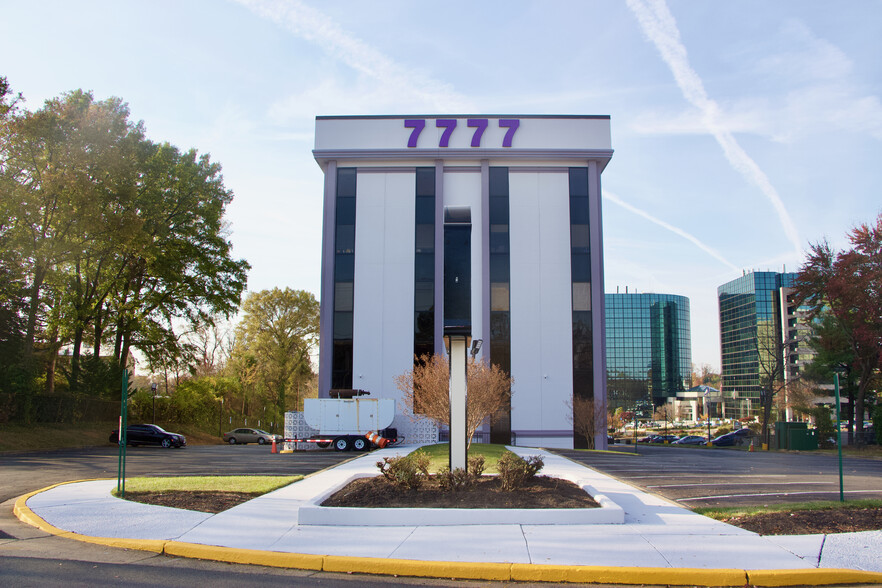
149,435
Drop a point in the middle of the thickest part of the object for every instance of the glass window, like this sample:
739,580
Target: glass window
581,296
499,297
425,238
343,296
346,181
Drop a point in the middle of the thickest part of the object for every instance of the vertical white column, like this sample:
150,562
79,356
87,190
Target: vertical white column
458,392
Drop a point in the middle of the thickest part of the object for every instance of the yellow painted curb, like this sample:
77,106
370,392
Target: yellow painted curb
623,575
464,570
416,568
812,577
274,559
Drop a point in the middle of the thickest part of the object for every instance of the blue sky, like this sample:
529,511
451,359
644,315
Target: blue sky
743,131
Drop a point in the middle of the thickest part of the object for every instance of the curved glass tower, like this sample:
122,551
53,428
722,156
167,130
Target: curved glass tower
648,350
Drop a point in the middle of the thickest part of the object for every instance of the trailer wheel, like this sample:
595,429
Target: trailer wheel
323,444
360,444
341,444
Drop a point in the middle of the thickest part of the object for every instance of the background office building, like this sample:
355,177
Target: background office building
648,350
493,222
762,331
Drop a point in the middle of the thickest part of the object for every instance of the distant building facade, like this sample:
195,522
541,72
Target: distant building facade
648,350
762,331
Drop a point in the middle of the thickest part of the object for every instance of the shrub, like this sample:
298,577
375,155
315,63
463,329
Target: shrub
407,472
514,471
460,479
722,431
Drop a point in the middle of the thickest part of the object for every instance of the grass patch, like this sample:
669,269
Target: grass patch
48,436
249,484
720,512
439,454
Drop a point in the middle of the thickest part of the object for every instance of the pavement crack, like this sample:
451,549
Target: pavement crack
526,544
821,551
403,541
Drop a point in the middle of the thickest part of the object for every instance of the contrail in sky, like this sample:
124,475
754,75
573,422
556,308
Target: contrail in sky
692,239
659,26
312,25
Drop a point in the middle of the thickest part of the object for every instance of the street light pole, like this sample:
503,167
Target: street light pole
153,388
838,434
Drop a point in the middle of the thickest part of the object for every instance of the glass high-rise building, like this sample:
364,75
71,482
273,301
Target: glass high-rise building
753,332
648,350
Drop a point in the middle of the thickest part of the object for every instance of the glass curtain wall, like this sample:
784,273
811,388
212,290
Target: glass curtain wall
580,270
500,282
344,277
424,264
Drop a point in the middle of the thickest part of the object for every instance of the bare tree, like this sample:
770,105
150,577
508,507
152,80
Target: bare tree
426,390
770,373
583,418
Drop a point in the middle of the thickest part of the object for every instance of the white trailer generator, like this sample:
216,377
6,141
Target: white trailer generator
349,421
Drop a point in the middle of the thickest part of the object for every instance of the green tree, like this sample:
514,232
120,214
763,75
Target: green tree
277,333
849,284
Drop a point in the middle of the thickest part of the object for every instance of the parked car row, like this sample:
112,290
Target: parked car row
739,437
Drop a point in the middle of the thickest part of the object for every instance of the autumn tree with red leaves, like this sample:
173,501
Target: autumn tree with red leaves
848,285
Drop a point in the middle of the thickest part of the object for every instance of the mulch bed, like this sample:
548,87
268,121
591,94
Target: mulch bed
213,502
809,522
541,492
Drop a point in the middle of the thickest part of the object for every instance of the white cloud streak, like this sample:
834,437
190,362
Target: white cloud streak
659,26
399,83
607,195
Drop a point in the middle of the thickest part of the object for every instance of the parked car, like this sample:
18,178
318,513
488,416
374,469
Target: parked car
731,439
246,435
663,438
149,435
691,440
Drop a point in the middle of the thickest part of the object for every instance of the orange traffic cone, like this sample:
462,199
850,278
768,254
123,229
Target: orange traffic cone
274,449
750,448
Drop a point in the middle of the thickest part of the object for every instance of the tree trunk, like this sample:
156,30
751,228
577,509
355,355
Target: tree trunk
33,309
75,360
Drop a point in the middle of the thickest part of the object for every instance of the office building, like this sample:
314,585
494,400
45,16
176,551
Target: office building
492,222
648,350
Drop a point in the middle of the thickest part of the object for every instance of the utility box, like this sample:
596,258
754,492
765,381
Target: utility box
795,436
332,416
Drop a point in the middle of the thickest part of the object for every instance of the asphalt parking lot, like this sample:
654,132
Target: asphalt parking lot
25,472
700,477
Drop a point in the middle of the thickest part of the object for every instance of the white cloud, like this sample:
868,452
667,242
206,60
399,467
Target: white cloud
677,231
392,83
810,88
660,27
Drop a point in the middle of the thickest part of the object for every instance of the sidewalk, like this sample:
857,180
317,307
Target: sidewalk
659,542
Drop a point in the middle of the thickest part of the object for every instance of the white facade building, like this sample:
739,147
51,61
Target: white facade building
489,222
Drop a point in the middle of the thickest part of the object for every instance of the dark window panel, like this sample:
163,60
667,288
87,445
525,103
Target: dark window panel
342,326
579,181
498,181
345,239
581,267
344,268
424,296
579,210
425,210
345,211
425,181
499,240
499,267
499,210
346,181
424,267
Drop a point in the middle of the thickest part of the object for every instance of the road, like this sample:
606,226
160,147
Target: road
30,557
703,477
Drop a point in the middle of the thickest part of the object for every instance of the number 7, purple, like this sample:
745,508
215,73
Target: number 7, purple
417,124
512,124
481,124
449,124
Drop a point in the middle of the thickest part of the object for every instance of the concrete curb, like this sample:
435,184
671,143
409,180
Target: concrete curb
505,572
